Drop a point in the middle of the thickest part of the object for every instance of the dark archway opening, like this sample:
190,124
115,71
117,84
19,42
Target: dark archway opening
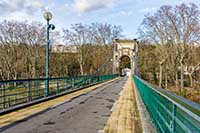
125,65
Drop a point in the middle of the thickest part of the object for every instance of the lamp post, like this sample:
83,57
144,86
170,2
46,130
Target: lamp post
47,17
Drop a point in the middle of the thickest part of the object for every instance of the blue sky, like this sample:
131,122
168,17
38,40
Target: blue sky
127,13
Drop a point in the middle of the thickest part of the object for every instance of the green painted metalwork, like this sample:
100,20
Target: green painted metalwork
47,60
48,17
169,112
15,92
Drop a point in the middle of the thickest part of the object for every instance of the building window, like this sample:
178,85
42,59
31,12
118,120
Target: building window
116,47
116,57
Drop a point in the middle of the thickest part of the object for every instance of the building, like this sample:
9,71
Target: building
64,48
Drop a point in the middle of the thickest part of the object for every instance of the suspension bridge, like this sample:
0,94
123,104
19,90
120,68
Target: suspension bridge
96,103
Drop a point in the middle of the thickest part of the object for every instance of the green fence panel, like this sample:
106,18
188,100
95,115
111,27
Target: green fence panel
169,112
15,92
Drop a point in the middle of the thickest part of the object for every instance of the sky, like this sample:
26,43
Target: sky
126,13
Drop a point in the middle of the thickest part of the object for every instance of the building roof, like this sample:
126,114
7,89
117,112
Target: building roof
125,40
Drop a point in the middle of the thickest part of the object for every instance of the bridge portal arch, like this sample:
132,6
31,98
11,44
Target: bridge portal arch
124,62
124,49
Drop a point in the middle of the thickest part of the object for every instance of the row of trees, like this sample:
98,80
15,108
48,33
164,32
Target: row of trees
83,36
171,49
22,49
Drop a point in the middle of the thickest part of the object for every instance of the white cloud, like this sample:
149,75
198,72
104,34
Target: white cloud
67,5
145,10
19,9
19,16
81,6
125,13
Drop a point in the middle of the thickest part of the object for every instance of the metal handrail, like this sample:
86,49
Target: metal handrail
169,112
15,92
36,79
168,94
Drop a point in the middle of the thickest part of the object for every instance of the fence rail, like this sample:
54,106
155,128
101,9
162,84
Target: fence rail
170,113
15,92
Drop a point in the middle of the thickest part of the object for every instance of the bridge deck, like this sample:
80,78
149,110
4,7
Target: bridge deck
85,111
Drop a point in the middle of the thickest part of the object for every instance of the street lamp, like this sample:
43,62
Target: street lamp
47,16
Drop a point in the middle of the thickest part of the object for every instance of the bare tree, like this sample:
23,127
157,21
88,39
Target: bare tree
173,29
20,47
85,35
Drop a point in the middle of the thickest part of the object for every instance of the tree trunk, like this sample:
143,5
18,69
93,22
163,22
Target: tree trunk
166,81
182,85
155,76
34,68
8,75
191,80
160,75
15,77
176,82
1,75
81,69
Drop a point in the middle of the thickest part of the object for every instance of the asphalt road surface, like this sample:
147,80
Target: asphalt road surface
87,113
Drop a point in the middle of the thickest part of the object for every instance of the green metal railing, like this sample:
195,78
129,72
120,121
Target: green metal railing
16,92
169,112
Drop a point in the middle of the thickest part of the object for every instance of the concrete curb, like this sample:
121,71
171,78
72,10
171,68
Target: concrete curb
146,122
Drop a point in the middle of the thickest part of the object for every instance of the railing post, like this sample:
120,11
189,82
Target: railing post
73,82
9,103
65,84
173,118
47,87
79,81
85,81
89,80
3,95
29,92
57,87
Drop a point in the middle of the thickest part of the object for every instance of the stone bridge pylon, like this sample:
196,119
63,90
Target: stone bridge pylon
124,48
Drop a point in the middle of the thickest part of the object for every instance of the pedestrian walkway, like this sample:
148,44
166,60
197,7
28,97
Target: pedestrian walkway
124,118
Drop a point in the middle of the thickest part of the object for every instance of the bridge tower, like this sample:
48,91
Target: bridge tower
125,48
